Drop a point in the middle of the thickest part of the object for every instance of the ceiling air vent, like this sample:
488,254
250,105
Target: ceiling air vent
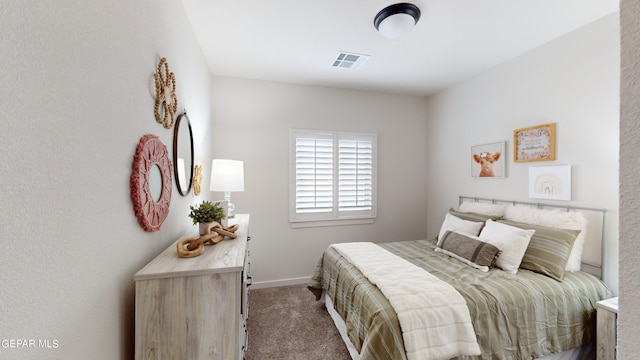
351,61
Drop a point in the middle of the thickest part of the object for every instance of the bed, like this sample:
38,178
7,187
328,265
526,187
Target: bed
544,306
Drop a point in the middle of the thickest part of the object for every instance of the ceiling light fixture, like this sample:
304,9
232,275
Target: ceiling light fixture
397,19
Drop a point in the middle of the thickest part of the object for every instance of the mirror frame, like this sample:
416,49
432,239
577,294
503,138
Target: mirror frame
149,152
176,130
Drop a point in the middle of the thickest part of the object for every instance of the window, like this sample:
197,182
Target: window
332,178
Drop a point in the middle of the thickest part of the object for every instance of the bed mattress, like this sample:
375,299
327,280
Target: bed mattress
515,316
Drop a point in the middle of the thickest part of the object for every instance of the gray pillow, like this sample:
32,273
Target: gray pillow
468,249
472,216
548,250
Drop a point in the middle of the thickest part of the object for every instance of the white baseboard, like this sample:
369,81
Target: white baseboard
278,283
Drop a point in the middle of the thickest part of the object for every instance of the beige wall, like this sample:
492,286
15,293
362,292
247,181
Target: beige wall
629,315
77,95
572,81
251,122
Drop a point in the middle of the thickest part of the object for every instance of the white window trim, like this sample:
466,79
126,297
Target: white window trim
334,217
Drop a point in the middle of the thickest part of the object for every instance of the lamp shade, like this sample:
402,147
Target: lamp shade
227,175
397,19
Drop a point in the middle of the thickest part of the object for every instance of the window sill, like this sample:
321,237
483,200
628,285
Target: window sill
297,224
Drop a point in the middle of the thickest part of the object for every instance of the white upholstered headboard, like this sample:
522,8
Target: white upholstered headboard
592,254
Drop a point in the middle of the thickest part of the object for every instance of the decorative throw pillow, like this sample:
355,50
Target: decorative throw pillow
468,249
555,218
548,250
483,208
472,216
511,241
454,223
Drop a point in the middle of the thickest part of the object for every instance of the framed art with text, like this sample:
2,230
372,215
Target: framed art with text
535,143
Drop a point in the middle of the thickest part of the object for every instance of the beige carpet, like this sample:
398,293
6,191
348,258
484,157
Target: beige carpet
287,323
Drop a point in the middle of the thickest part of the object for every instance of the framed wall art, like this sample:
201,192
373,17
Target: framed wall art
487,160
550,182
535,143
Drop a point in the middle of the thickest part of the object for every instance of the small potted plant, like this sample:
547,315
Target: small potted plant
206,213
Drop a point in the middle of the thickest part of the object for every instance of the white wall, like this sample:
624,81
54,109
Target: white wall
251,122
572,81
629,312
77,95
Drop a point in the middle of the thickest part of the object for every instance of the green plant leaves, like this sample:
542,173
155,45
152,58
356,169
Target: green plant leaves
207,212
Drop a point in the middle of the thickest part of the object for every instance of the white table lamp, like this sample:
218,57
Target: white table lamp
227,176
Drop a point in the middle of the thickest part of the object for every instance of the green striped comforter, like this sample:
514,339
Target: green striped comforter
522,316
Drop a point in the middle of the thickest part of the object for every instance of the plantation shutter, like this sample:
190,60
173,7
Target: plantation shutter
314,174
332,177
355,174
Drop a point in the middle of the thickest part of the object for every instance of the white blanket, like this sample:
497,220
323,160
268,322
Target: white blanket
433,316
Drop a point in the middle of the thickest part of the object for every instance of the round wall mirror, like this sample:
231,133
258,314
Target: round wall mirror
183,154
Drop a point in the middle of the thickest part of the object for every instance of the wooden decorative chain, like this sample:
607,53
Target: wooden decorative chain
213,234
166,99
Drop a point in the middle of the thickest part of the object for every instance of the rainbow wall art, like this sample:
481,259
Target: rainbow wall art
550,182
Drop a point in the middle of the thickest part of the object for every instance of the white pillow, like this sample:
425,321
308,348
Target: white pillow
511,241
454,223
554,218
483,208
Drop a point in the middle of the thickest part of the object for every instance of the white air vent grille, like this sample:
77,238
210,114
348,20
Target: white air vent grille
351,61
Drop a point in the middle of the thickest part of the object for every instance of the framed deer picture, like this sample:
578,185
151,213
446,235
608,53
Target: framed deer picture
488,160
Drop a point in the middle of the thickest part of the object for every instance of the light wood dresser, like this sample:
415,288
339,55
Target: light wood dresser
195,308
607,318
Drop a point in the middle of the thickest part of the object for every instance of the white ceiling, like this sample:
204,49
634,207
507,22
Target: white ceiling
296,41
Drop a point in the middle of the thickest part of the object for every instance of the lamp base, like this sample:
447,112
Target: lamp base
231,207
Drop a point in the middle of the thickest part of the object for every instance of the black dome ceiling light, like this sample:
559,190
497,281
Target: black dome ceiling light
397,19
